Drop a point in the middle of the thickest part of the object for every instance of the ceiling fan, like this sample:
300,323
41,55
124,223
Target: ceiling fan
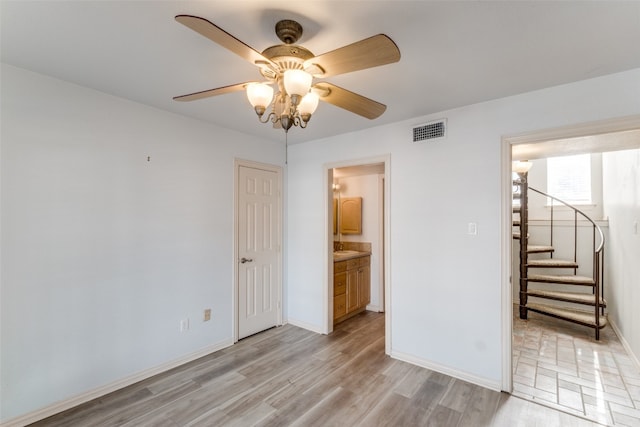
292,69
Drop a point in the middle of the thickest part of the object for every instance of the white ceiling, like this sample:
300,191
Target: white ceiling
453,53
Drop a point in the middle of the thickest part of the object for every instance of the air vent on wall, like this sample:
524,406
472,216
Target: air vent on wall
432,130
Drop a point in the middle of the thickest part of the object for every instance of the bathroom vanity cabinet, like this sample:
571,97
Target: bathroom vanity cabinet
351,287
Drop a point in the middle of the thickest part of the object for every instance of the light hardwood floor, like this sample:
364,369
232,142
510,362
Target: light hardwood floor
288,376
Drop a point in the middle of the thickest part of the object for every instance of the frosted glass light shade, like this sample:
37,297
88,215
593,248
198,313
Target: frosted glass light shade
297,82
521,166
259,94
308,104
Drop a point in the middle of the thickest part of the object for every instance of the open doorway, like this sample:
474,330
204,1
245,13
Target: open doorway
558,363
357,241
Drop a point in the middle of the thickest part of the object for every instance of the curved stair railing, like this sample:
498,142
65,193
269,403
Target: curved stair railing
597,320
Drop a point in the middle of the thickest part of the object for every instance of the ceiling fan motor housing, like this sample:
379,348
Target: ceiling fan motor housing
287,57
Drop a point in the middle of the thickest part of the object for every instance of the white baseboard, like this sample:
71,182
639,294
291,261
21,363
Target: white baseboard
624,343
375,308
304,325
63,405
465,376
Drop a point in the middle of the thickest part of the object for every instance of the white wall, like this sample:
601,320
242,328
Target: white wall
104,252
621,172
445,284
367,187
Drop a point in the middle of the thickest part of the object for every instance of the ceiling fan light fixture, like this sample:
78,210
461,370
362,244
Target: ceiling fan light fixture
297,84
308,105
521,166
260,96
286,121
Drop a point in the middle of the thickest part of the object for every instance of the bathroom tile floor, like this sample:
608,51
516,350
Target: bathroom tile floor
561,365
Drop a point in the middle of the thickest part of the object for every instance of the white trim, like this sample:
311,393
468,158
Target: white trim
63,405
506,256
387,255
381,214
237,163
308,326
625,344
461,375
327,300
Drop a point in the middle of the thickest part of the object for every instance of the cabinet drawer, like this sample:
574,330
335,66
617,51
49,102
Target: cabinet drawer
339,267
364,261
339,306
353,263
339,284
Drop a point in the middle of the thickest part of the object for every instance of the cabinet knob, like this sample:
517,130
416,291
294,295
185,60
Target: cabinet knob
243,260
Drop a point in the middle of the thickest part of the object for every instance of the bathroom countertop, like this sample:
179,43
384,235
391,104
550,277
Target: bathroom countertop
345,255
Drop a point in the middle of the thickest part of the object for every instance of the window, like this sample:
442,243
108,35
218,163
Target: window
569,178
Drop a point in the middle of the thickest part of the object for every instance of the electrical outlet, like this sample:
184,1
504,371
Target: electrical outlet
184,325
207,314
472,228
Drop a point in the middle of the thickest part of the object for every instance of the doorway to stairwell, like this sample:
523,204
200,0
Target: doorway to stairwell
559,363
357,240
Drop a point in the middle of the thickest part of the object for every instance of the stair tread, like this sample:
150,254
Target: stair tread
516,235
539,248
570,280
552,263
578,316
576,297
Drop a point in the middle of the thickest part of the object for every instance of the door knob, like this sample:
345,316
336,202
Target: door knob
243,260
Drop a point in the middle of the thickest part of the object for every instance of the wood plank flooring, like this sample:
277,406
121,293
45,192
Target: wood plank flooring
288,376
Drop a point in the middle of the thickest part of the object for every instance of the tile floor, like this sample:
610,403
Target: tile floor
561,365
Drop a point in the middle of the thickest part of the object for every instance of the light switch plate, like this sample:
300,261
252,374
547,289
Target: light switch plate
472,228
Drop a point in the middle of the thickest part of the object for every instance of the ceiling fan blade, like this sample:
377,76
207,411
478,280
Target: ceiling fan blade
350,101
224,39
211,92
367,53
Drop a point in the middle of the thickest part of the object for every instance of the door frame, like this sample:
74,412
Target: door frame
559,136
327,309
236,228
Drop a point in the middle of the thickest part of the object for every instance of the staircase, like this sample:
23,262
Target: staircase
551,286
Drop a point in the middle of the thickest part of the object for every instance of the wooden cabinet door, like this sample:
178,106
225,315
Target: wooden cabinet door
339,284
339,306
351,215
364,285
353,301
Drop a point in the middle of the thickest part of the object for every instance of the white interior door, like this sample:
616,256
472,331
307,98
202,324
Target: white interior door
258,257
